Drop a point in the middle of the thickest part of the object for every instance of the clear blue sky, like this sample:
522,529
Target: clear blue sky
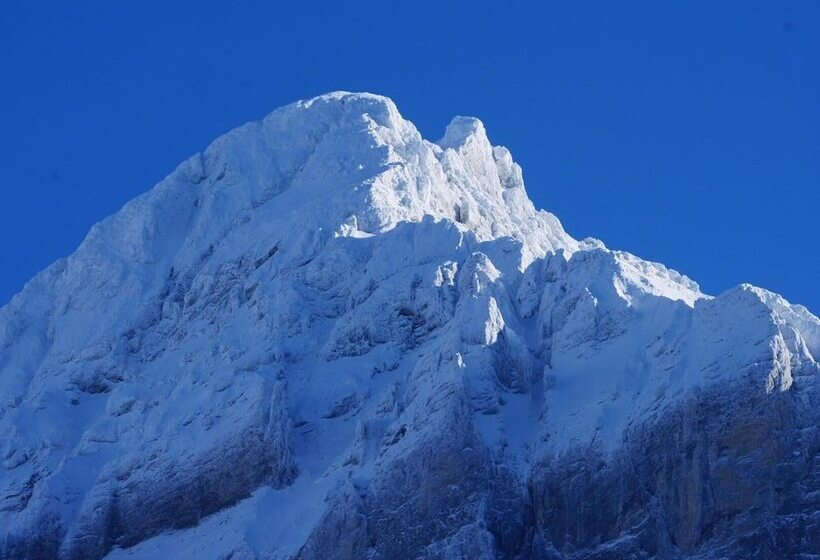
684,132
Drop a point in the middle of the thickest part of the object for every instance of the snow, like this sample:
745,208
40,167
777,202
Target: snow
315,298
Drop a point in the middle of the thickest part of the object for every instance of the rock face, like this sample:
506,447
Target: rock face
326,337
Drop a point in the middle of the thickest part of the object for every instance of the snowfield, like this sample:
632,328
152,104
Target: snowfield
326,337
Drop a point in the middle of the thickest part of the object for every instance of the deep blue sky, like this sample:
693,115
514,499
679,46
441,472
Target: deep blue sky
684,132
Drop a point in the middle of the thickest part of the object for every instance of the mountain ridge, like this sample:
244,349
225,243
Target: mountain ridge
378,342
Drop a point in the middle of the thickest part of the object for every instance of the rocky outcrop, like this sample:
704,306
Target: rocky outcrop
715,477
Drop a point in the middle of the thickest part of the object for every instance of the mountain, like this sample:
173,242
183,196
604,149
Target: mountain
326,337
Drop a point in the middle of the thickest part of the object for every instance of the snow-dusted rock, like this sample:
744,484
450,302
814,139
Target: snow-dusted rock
326,337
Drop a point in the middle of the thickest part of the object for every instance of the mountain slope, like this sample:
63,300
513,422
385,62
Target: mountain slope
326,337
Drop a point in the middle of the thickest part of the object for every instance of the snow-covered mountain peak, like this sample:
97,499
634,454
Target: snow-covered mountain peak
462,131
326,337
350,163
381,109
346,110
